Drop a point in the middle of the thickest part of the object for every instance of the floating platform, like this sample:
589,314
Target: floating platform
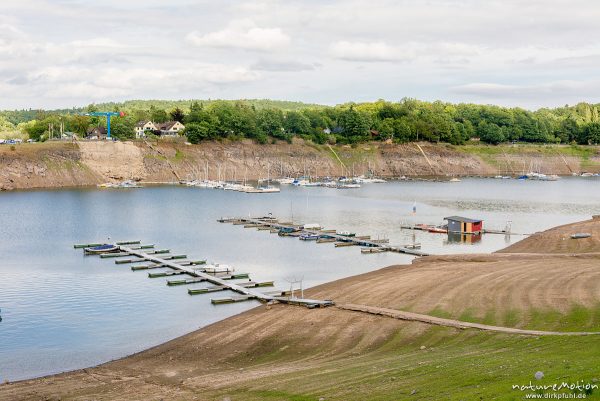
325,236
220,276
235,276
248,284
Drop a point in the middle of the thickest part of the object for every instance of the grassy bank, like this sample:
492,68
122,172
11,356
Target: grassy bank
452,366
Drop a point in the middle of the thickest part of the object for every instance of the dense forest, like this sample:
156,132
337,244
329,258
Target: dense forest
265,120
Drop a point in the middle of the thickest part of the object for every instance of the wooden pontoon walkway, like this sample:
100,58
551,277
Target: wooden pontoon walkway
248,293
274,224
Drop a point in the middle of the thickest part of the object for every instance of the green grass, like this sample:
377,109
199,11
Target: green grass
179,155
456,365
578,318
584,152
439,312
359,156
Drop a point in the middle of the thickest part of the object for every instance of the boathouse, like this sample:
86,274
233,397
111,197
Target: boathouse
464,225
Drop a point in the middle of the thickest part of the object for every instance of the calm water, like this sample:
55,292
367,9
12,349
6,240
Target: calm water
63,311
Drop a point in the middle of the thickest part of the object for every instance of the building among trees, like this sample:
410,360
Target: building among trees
169,128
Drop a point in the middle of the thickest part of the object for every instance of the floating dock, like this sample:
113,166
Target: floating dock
220,276
325,236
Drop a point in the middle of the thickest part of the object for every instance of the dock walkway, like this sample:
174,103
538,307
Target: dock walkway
222,282
438,321
274,224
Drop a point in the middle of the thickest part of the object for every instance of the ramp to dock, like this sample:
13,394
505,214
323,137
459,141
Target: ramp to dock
438,321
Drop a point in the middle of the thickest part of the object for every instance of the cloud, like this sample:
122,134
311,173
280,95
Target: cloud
242,34
556,89
282,65
318,51
369,51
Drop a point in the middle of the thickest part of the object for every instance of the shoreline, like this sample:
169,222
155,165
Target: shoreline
232,353
66,164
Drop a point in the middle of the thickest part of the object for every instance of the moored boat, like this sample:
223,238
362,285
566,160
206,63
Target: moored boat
105,248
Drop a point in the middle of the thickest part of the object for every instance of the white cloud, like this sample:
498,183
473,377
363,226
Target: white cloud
243,34
370,51
558,89
282,65
523,53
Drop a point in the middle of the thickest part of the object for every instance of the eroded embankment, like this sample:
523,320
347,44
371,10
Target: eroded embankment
50,165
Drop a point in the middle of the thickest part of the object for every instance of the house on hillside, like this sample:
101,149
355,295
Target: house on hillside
171,128
143,126
96,133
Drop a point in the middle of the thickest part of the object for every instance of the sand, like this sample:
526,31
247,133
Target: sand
271,340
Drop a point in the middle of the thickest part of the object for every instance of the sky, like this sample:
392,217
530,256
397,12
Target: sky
532,54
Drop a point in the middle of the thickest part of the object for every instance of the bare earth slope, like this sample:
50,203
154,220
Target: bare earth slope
291,353
61,164
558,240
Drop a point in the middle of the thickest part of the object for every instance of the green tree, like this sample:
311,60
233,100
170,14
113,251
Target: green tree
79,124
386,129
490,133
402,130
355,125
122,128
590,134
158,115
270,122
177,115
297,123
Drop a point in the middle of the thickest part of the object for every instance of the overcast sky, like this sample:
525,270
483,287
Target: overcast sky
64,53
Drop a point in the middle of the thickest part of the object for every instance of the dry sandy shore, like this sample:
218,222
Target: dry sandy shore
269,341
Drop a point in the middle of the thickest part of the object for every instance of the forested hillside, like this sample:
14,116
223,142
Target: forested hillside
404,121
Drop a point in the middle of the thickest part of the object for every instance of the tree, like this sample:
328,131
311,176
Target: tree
490,133
386,129
296,123
568,131
590,134
402,130
177,115
123,127
35,129
158,115
79,124
197,132
355,125
270,122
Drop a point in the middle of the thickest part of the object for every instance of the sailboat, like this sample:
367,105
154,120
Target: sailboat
268,188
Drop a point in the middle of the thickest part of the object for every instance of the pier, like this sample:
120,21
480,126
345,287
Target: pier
324,236
221,277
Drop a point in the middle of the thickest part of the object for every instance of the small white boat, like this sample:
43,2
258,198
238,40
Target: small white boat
454,179
122,185
285,180
268,190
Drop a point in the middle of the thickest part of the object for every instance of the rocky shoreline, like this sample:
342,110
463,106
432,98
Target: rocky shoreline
74,164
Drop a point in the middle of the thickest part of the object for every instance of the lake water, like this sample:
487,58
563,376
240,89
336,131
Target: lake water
63,311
